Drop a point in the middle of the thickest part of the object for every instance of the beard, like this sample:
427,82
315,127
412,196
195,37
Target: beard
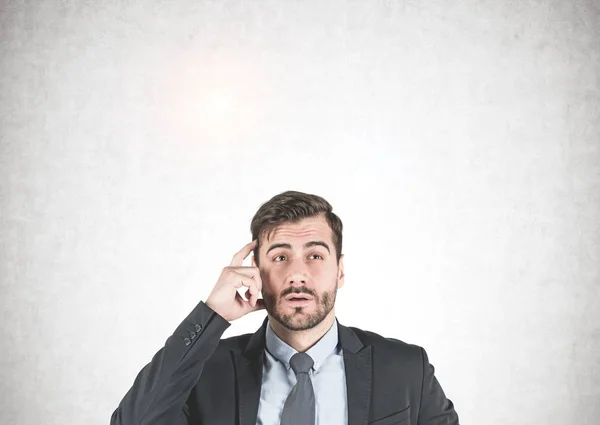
299,320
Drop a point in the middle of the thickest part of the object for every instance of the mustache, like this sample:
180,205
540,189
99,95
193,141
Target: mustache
300,290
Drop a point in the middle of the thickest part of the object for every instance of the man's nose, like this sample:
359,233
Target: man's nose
298,275
298,278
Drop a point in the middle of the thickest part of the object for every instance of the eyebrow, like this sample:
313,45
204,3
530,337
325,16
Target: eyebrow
306,245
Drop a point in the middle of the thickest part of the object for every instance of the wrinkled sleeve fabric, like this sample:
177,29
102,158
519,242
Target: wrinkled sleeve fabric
435,408
160,390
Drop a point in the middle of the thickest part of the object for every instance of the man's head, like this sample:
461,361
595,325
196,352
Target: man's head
299,256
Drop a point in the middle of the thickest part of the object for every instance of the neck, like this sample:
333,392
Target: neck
302,341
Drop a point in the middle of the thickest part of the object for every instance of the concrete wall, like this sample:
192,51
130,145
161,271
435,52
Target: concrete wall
458,141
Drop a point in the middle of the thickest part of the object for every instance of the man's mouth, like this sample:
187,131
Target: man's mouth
298,297
298,300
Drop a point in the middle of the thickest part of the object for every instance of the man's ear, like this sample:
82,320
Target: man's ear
341,272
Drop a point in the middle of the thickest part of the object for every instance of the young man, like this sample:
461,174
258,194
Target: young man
302,367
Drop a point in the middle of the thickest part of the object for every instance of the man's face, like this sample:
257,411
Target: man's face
300,273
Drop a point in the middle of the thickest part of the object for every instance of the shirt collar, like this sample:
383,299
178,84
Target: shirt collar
318,352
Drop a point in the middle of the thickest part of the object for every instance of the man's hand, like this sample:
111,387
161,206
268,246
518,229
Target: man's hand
225,299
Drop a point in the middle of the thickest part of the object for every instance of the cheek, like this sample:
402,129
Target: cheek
322,270
270,280
271,272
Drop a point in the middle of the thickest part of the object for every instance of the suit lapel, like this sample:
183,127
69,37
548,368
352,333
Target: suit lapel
358,366
249,376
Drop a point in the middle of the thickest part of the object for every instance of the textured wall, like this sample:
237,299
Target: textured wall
458,141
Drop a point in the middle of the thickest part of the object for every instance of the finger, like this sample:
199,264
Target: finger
240,256
245,270
240,281
254,303
260,305
247,305
252,294
241,301
252,272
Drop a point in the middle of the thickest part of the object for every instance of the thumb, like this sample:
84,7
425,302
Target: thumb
260,305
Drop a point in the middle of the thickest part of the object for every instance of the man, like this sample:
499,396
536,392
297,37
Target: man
302,367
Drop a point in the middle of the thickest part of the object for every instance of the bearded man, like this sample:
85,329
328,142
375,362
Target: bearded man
302,367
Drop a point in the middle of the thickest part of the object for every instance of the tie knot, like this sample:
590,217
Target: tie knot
301,363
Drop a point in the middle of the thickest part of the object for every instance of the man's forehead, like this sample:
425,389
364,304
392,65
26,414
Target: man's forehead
308,227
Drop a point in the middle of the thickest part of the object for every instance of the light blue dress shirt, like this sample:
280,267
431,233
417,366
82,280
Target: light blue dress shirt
327,375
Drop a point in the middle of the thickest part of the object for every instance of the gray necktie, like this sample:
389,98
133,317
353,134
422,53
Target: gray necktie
299,408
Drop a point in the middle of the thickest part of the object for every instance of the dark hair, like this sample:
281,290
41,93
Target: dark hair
292,206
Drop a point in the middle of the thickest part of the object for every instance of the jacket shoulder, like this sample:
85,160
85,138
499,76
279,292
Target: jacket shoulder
388,346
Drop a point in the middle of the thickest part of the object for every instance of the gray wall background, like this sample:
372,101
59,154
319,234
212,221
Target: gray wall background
458,140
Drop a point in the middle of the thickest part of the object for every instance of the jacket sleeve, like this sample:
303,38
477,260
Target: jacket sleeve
160,390
435,408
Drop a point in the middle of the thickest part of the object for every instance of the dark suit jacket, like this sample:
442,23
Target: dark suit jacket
199,378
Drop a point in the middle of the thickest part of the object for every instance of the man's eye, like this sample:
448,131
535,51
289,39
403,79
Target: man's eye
278,258
317,255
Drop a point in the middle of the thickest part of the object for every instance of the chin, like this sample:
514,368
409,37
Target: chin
300,321
299,325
